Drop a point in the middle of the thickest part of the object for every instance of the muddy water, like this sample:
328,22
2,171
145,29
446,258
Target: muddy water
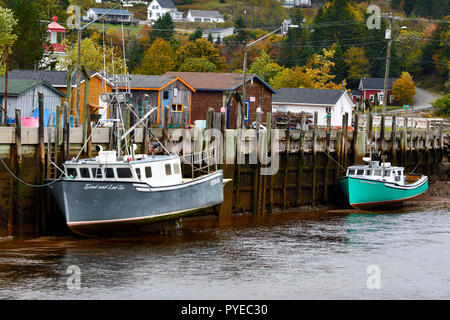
282,256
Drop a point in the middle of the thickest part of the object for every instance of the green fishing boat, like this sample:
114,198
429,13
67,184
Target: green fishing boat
378,185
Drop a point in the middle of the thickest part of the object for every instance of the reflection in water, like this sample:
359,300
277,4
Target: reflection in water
280,256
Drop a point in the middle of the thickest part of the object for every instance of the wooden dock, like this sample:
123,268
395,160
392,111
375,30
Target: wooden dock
310,159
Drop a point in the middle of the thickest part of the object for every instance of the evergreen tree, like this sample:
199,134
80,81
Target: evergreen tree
197,34
163,28
240,26
210,38
339,69
28,49
294,50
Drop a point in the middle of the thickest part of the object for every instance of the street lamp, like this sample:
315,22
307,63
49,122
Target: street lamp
240,113
388,57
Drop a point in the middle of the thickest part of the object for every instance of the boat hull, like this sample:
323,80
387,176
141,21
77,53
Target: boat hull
369,194
96,207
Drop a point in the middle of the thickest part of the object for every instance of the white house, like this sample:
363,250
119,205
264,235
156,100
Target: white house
158,8
296,3
204,16
218,33
324,101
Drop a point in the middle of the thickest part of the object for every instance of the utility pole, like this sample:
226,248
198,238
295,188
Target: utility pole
240,113
6,83
241,106
388,61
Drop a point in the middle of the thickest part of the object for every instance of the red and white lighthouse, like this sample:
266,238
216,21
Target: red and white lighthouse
56,33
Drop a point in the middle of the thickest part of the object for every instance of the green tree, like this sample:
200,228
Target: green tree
294,49
28,49
210,38
201,48
357,64
409,50
443,105
265,67
338,21
340,67
241,32
7,26
92,56
85,4
49,8
197,34
163,28
158,59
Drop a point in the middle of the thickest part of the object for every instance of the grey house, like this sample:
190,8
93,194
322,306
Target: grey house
160,92
23,94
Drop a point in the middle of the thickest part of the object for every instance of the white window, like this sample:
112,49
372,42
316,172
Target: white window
372,98
391,98
176,168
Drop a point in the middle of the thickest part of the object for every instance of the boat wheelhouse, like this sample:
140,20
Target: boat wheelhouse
156,171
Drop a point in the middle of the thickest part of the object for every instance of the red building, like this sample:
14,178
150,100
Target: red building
211,88
371,87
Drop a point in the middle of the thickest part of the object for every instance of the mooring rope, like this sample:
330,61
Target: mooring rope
26,183
335,161
418,161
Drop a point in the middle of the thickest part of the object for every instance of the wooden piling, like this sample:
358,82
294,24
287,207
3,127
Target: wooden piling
427,148
166,129
41,216
382,130
411,129
300,160
370,126
57,133
269,122
345,149
404,141
314,151
18,196
393,140
66,133
327,152
286,157
258,180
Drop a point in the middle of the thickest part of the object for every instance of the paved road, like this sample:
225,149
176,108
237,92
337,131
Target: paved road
423,99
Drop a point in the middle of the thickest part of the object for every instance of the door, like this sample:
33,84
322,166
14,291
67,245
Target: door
165,104
103,109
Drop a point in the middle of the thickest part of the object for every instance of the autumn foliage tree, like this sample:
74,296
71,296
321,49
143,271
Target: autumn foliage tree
191,53
158,59
404,89
315,74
